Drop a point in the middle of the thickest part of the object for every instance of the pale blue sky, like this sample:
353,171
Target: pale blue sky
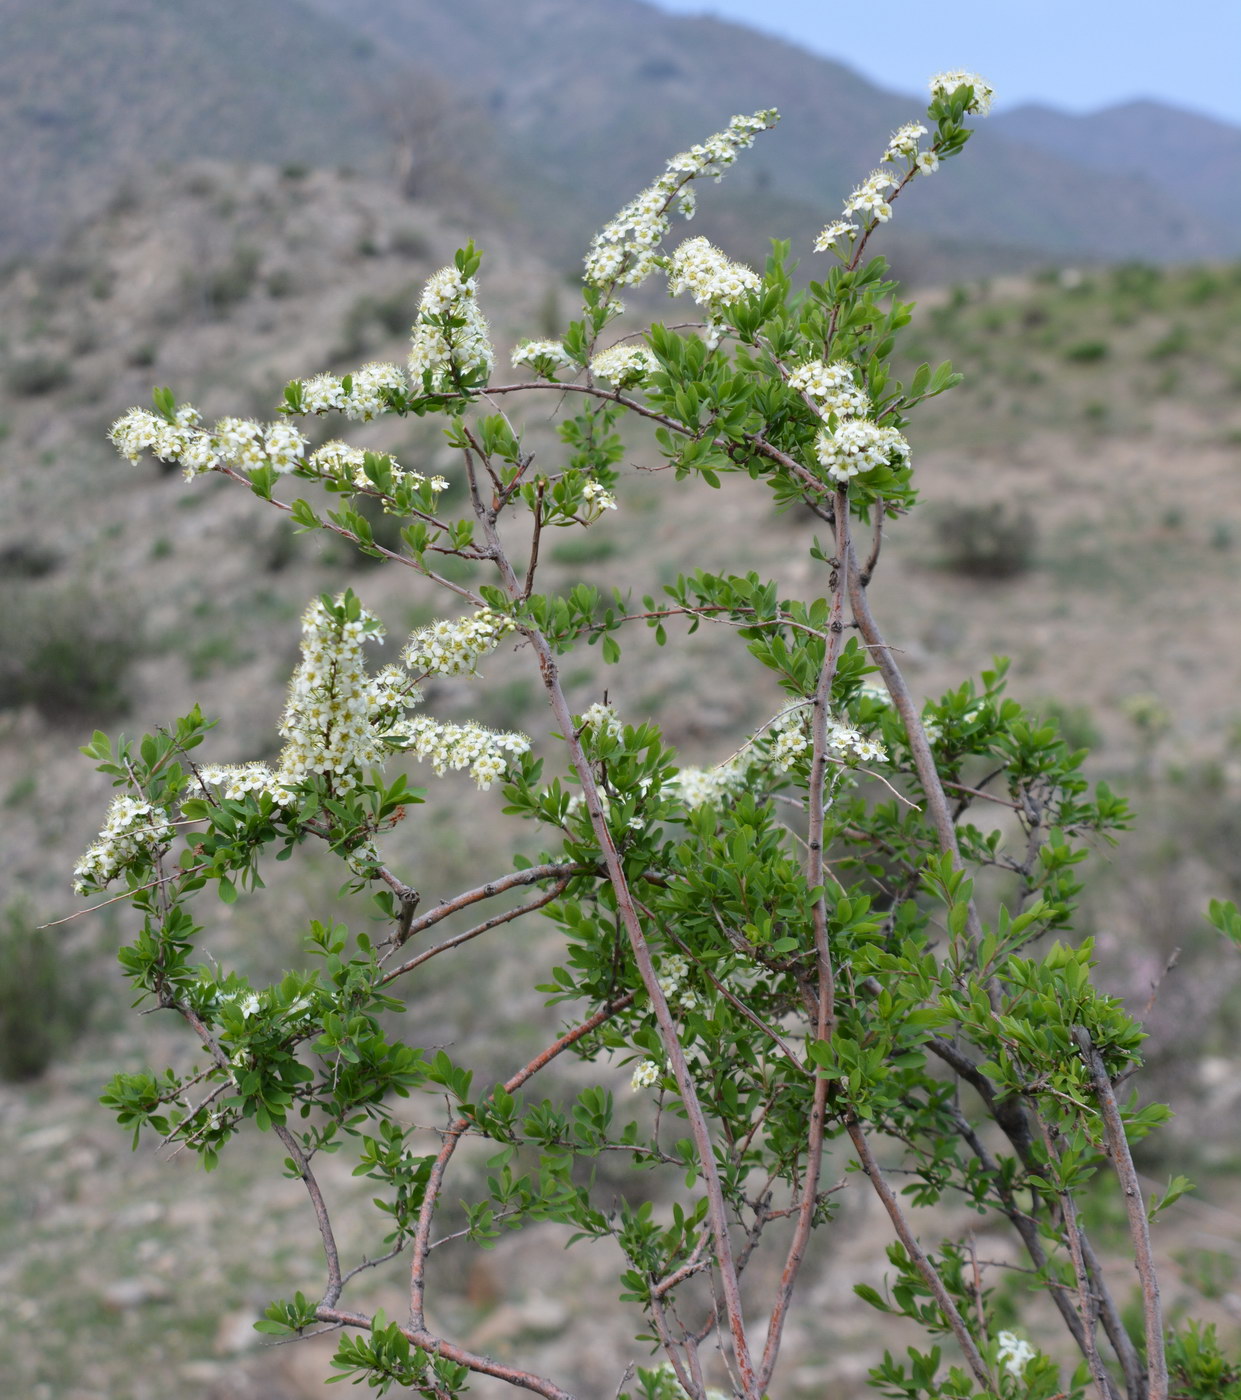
1078,55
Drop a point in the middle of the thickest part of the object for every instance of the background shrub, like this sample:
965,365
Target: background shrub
68,652
988,541
44,1001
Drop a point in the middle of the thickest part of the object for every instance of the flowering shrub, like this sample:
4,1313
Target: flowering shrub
787,954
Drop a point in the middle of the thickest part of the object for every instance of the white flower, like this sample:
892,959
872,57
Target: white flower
322,393
284,447
945,84
597,499
134,830
624,250
646,1074
701,787
904,141
1014,1353
457,746
448,351
602,719
365,399
869,199
623,365
858,446
710,277
927,162
833,233
452,647
542,355
832,387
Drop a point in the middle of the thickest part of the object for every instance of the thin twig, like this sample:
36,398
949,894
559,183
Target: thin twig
1139,1227
437,1346
930,1275
508,917
825,974
454,1134
1087,1303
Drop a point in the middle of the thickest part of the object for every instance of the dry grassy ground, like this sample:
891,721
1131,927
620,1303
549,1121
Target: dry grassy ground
1102,416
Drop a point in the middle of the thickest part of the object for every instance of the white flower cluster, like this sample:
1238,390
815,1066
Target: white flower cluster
833,233
133,830
869,197
323,393
847,743
445,352
333,716
542,355
709,276
141,431
237,779
457,746
596,499
602,719
1014,1353
858,445
647,1074
364,400
844,743
332,702
236,442
904,142
945,84
790,743
673,970
698,787
832,387
623,365
624,249
453,646
340,462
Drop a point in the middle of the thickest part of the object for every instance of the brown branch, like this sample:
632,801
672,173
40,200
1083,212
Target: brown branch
513,880
395,555
754,440
437,1346
825,1021
628,915
930,1275
1087,1303
454,1134
293,1147
1139,1227
924,759
508,917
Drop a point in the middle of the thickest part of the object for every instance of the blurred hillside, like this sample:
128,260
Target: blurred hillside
508,108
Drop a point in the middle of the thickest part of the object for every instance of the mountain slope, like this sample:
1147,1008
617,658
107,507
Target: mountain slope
1194,158
605,91
551,113
150,83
